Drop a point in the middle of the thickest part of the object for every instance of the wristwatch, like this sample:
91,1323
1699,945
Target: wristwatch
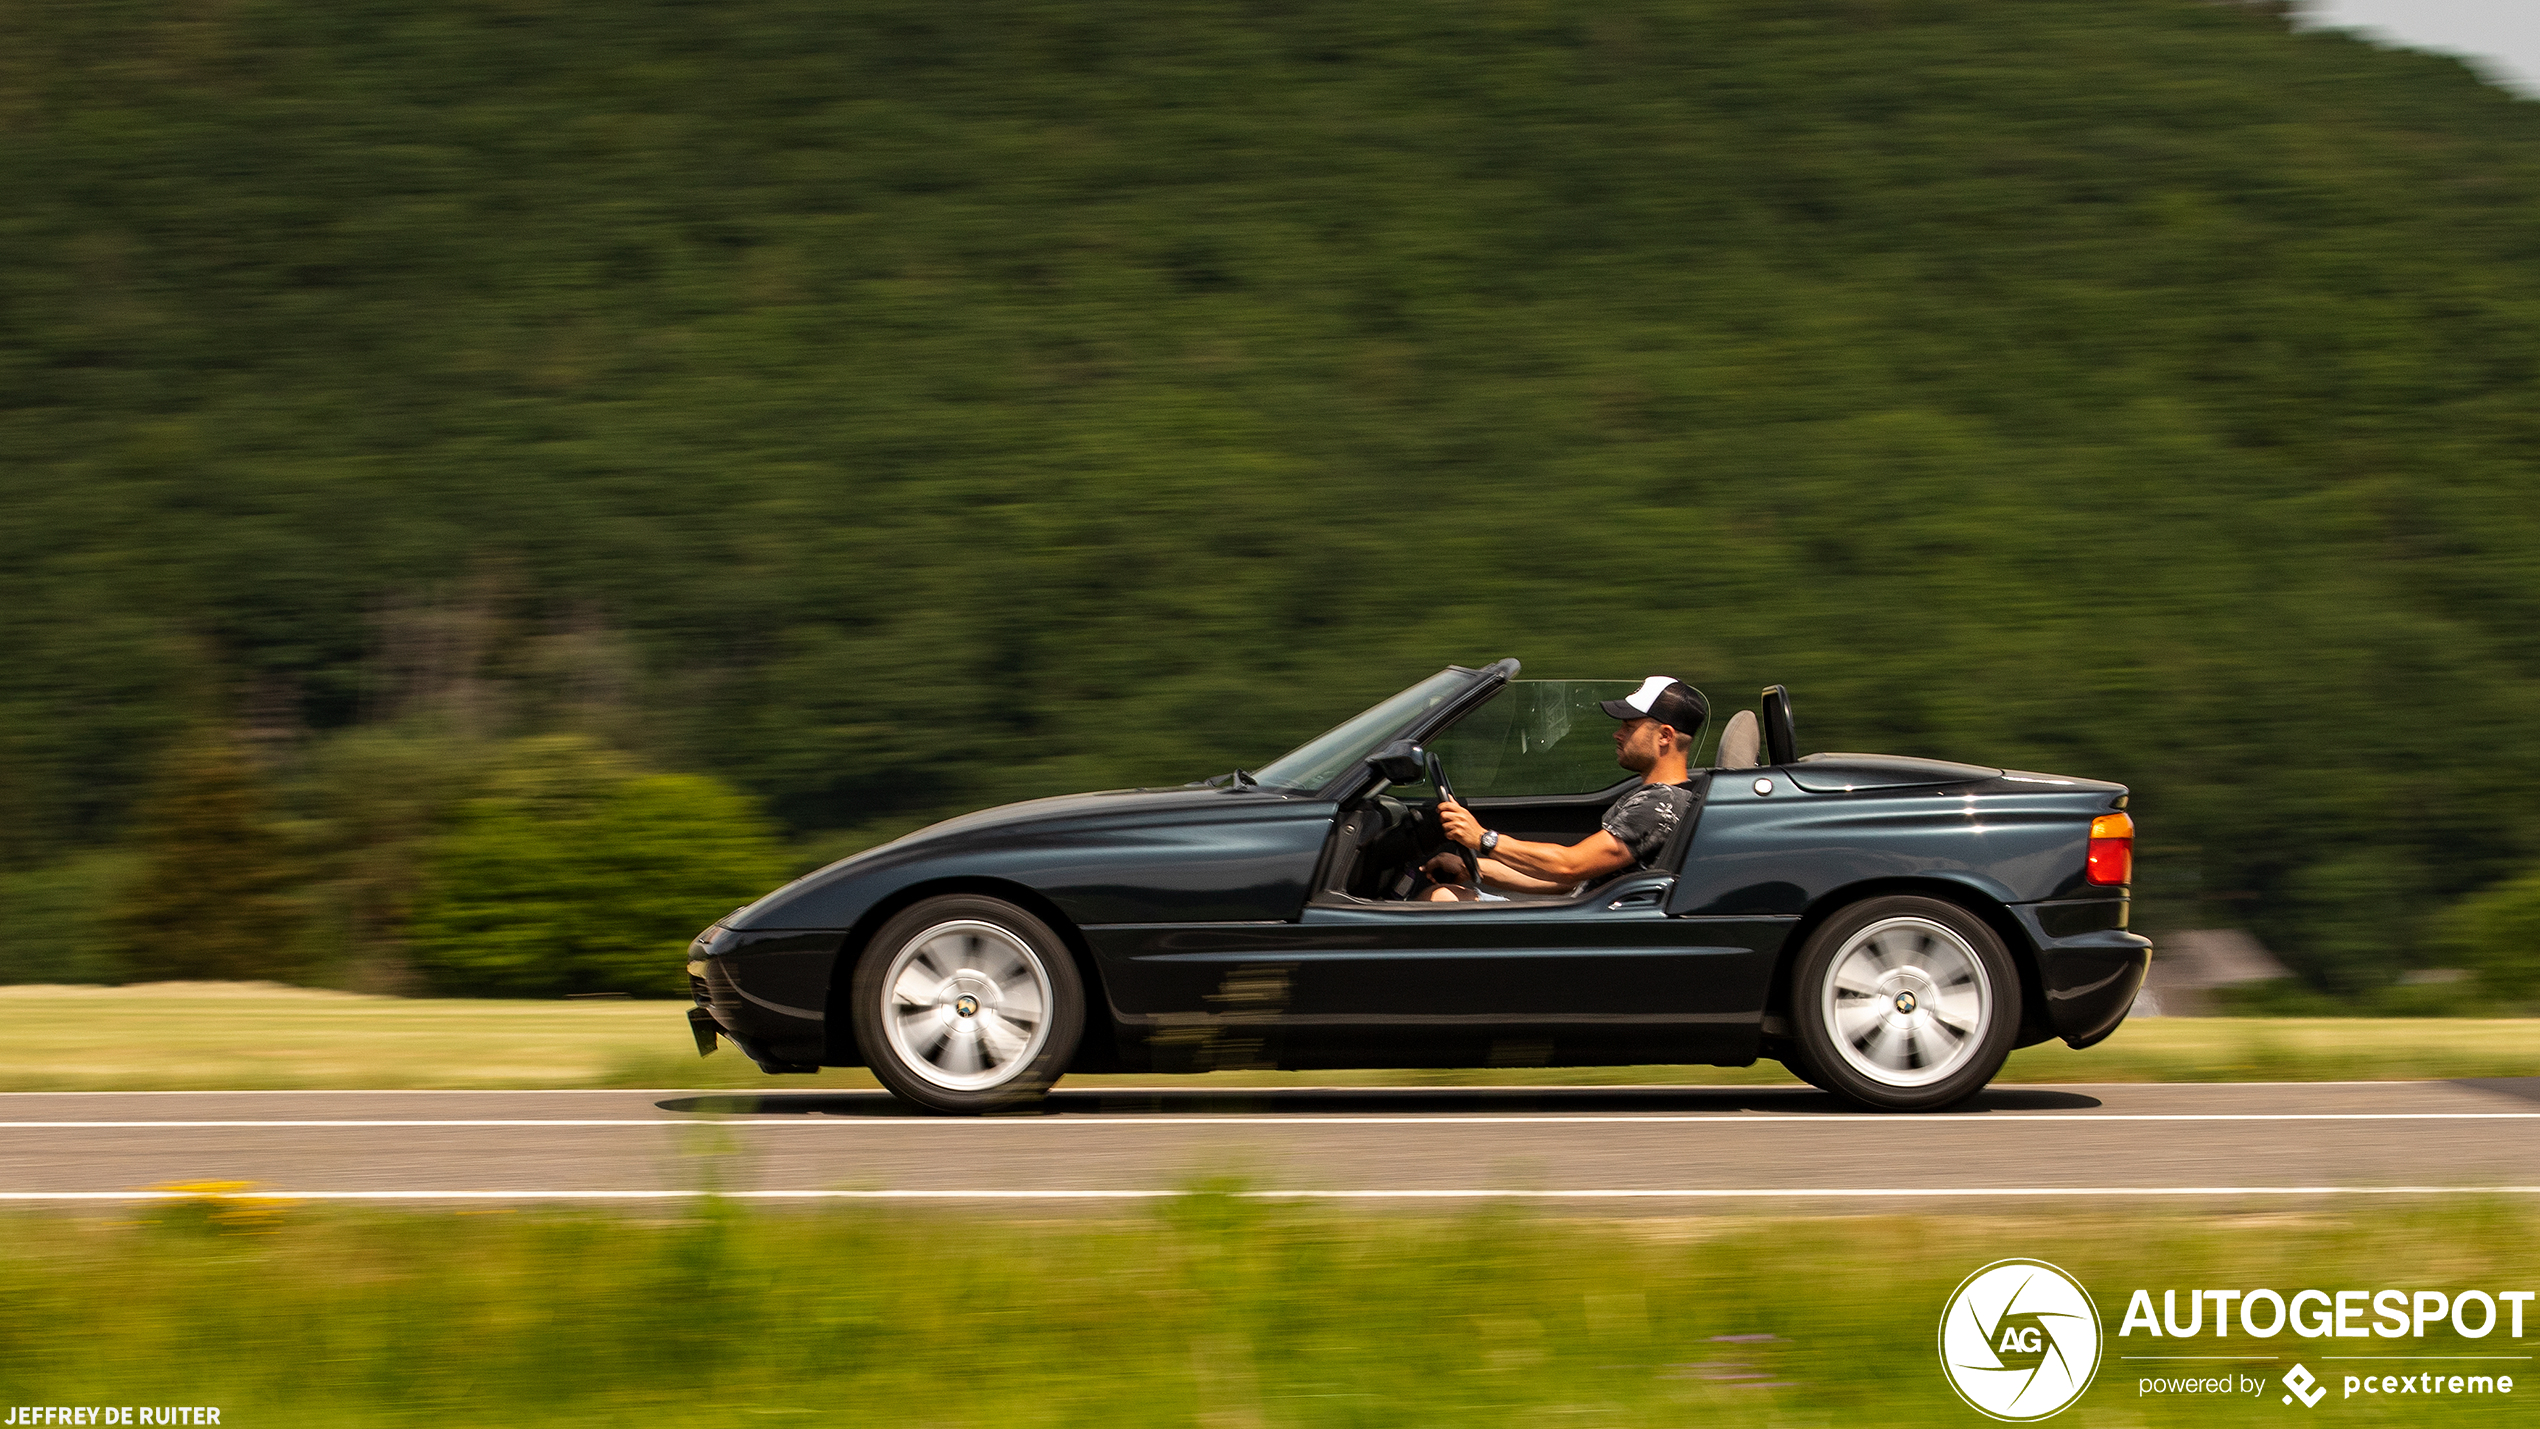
1490,840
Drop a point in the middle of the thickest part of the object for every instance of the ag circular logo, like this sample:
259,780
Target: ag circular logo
2020,1340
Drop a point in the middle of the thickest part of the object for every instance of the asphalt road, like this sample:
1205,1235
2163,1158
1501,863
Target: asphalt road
1637,1150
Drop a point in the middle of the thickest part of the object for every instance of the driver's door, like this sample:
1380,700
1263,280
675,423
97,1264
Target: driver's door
1603,977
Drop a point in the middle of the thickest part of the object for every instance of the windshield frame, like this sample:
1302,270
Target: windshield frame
1334,754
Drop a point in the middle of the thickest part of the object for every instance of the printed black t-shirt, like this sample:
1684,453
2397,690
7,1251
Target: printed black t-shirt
1646,818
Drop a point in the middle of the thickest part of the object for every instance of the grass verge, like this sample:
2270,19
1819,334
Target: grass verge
1206,1310
192,1036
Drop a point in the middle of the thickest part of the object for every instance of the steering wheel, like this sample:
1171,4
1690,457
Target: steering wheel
1446,792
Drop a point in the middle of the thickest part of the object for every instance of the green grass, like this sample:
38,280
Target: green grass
1205,1310
190,1036
195,1036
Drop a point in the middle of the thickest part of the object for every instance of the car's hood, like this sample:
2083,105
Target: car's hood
1069,808
1104,806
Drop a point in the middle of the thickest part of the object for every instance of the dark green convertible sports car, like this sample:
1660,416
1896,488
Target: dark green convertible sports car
1887,927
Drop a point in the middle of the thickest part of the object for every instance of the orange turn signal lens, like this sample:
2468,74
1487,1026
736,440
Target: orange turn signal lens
2112,849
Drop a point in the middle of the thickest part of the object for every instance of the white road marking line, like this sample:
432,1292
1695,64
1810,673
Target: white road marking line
1706,1193
1906,1119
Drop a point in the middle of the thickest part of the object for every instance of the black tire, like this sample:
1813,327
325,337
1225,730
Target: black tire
988,1010
1904,1004
1797,1064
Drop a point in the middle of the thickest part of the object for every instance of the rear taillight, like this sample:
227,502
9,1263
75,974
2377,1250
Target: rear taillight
2112,849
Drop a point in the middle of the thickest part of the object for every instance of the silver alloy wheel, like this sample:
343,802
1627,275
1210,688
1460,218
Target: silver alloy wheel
966,1005
1906,1001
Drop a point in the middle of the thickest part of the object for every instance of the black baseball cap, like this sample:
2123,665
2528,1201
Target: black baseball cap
1666,699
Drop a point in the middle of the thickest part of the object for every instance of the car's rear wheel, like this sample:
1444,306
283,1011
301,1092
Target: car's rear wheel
967,1004
1905,1003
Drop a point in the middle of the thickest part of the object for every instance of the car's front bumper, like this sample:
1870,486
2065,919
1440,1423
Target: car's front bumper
766,993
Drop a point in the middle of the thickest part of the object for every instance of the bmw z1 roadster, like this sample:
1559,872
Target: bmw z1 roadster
1889,928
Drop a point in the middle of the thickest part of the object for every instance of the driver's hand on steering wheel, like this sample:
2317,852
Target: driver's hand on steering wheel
1459,823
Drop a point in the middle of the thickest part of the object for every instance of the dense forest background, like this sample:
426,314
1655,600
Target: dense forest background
489,484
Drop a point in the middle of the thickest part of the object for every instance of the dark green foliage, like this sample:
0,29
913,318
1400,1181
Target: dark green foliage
2497,934
57,923
956,403
574,873
375,799
212,896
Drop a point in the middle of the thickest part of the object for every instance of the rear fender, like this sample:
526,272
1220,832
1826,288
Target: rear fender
2034,1026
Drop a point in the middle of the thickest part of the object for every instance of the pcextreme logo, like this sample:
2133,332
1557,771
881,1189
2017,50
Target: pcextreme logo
2305,1385
2019,1340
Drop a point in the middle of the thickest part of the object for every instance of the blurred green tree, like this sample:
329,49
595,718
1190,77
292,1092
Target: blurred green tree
2497,933
57,922
574,872
213,896
377,797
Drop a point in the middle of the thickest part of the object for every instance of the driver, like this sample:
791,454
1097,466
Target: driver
1661,720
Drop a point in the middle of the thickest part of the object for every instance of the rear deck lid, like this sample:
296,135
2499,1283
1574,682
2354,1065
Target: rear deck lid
1842,773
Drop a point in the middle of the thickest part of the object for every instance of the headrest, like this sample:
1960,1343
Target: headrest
1742,742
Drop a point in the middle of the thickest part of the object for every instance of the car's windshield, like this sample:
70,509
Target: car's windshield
1533,738
1326,757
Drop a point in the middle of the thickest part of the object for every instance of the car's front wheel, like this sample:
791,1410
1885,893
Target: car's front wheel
967,1004
1797,1064
1904,1003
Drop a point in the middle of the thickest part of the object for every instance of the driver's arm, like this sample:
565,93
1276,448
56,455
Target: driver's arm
1598,854
1495,874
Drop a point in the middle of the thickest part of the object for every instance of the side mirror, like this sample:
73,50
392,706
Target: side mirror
1401,762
